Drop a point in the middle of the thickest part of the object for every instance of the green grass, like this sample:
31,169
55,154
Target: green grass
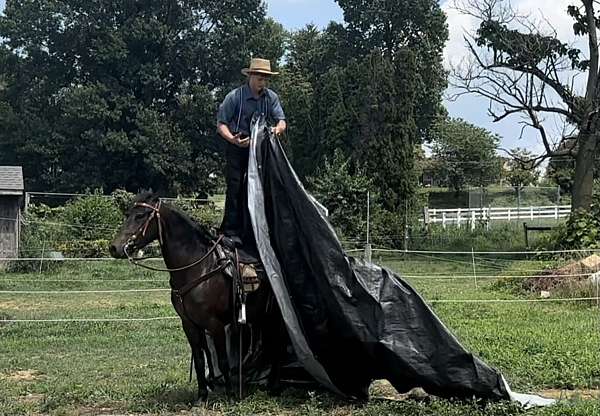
142,367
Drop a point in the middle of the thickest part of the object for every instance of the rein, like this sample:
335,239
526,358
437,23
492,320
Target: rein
144,228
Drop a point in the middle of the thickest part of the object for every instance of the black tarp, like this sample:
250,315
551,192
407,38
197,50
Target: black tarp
349,322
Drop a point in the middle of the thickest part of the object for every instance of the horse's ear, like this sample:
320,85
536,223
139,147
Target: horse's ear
159,193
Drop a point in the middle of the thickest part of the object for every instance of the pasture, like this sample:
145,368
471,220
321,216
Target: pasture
141,367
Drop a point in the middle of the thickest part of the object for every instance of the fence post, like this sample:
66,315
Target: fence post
472,220
26,205
368,216
444,220
556,212
42,256
458,216
531,212
474,270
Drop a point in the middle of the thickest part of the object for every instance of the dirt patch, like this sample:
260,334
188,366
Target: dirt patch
570,394
32,398
18,306
572,276
106,411
382,389
23,375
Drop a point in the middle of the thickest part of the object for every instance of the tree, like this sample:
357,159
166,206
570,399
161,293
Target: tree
122,94
388,131
297,96
561,169
465,154
523,71
343,191
366,110
521,169
393,26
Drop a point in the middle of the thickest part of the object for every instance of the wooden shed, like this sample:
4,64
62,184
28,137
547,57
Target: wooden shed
11,200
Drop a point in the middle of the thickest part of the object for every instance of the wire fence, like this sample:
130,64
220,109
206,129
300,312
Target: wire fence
478,266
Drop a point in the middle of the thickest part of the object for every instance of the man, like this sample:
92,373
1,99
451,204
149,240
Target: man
233,125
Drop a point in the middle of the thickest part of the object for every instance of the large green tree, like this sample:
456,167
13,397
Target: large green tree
366,110
526,70
112,94
464,154
376,84
395,25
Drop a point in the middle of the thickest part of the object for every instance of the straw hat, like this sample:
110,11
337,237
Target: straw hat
259,66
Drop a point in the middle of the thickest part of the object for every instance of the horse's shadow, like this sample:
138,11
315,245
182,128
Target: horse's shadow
177,397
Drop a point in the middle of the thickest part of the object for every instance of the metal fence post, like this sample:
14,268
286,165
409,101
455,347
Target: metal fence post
474,270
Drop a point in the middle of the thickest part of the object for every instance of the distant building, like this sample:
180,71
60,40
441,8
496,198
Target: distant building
11,200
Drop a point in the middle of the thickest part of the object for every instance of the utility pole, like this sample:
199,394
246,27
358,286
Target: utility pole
368,246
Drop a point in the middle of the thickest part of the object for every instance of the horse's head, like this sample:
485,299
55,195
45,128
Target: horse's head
140,228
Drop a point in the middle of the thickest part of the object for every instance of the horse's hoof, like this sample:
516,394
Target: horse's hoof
202,399
200,403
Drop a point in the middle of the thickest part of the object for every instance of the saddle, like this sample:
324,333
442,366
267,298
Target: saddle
248,269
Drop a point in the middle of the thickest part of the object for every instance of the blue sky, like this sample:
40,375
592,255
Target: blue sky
294,14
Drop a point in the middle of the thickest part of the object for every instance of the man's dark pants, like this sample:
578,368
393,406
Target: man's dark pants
236,220
236,168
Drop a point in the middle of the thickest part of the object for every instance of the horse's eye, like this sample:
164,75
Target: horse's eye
140,215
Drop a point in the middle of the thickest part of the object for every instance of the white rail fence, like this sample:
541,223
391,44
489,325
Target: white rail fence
471,216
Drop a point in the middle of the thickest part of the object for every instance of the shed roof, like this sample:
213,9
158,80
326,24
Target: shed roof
11,180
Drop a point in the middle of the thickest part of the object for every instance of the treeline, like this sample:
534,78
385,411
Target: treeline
102,94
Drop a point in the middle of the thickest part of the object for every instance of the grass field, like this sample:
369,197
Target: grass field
141,367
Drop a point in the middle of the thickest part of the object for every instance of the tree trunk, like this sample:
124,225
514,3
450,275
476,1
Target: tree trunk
583,183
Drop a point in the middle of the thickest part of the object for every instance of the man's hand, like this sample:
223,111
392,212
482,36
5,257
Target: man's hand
279,129
239,141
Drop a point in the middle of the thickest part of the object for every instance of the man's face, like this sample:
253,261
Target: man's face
258,82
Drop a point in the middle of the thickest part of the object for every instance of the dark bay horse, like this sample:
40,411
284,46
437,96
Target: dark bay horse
202,292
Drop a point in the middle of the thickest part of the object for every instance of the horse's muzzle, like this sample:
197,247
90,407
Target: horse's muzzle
117,251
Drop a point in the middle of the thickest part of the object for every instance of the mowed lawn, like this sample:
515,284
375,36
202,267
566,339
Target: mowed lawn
142,367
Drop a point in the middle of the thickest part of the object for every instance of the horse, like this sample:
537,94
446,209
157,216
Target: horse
202,292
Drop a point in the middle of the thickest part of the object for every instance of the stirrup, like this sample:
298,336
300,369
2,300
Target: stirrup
249,277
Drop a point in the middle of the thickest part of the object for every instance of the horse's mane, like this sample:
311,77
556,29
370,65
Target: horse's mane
203,231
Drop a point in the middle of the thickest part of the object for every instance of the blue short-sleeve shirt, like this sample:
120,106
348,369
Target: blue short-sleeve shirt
239,106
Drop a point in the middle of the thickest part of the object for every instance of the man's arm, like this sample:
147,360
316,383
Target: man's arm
225,114
277,114
226,134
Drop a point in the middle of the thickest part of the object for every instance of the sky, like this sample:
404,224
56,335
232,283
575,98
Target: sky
294,14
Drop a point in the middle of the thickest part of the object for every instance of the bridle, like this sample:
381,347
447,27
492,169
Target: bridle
144,228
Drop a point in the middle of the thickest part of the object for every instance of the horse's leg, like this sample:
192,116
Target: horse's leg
197,341
220,340
209,363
